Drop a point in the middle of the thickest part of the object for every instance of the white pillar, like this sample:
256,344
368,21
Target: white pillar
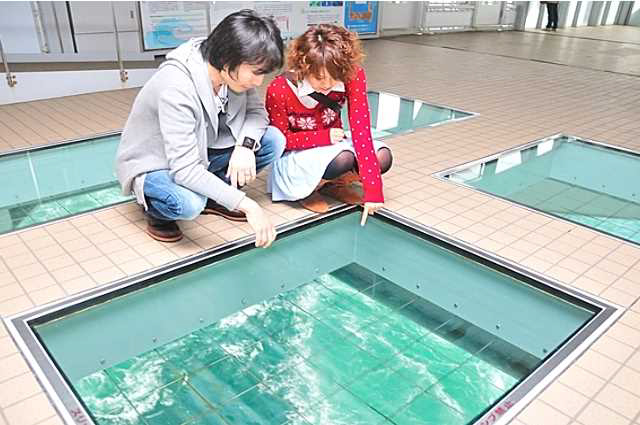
635,14
595,15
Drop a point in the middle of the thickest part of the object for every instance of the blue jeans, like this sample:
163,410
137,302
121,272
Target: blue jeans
167,200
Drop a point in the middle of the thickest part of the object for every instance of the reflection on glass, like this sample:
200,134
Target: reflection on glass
388,111
570,178
544,147
391,114
507,161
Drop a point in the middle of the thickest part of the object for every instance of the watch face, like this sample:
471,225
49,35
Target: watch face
249,143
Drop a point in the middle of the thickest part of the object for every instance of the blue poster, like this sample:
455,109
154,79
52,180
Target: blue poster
361,16
166,25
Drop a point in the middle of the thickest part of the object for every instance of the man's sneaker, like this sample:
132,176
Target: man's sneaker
215,208
163,230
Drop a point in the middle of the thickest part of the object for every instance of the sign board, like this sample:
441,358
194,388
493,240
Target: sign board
167,24
361,16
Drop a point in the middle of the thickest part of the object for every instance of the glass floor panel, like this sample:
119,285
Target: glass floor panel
284,361
48,184
392,114
581,181
318,329
51,183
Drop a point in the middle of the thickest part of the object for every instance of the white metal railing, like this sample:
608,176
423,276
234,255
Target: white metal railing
449,6
468,15
56,22
448,16
45,48
11,79
123,74
508,13
40,32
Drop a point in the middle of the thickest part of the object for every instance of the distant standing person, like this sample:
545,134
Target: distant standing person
552,15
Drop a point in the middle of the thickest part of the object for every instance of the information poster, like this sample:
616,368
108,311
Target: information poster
361,16
222,9
281,12
167,24
292,17
323,12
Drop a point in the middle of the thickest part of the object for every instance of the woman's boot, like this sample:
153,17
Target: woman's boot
316,202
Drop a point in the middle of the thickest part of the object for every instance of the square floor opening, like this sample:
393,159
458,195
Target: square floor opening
321,328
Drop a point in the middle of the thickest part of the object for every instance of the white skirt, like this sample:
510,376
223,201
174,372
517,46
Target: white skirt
297,173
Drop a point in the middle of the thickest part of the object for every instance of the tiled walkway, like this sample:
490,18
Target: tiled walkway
610,48
52,120
614,33
518,101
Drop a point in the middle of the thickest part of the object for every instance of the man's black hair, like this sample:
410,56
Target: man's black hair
244,37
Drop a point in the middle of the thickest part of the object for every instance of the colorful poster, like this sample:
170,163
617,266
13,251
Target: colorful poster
167,24
361,16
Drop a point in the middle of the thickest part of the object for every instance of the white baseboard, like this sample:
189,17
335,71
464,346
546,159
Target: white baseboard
45,85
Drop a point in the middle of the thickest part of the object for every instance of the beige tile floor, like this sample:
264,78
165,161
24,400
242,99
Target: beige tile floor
615,33
518,101
609,48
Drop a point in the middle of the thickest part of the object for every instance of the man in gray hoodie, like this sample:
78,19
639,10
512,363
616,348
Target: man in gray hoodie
198,130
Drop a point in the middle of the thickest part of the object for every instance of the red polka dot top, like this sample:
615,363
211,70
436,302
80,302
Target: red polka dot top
307,128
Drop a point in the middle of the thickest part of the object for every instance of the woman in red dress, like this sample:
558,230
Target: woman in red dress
305,103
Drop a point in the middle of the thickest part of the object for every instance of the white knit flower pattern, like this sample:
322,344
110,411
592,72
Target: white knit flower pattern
307,123
328,116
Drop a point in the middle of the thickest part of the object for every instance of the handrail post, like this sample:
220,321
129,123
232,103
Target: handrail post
57,22
11,79
123,74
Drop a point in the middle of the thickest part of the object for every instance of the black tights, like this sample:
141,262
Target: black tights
346,161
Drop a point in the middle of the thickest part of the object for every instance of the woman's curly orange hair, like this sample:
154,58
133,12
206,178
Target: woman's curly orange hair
325,46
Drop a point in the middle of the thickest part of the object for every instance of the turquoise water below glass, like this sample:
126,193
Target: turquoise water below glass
348,348
57,182
585,183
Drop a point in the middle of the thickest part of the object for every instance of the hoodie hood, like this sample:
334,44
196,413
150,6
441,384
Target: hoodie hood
189,59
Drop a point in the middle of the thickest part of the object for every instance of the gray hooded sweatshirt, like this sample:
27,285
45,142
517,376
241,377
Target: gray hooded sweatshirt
171,122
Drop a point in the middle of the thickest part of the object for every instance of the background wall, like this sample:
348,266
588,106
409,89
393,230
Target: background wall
81,34
17,28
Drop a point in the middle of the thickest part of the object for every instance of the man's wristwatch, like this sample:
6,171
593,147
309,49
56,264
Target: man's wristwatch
249,143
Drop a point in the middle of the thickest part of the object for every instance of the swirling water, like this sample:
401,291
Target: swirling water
338,350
